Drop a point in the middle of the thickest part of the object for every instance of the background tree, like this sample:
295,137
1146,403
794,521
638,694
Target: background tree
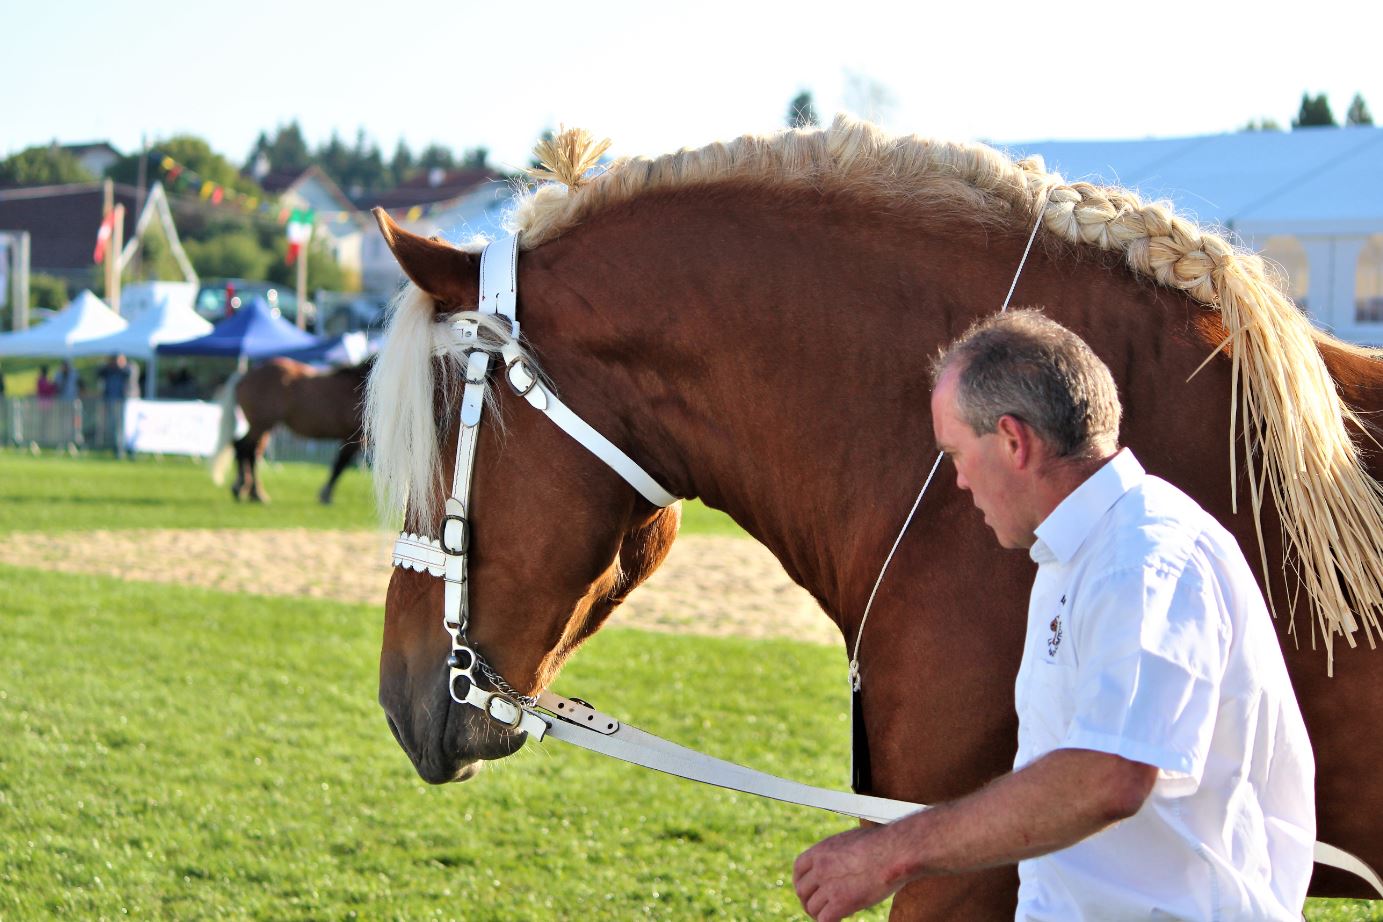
48,291
192,154
1262,124
401,165
476,158
334,158
43,165
237,254
287,151
1358,113
436,157
1315,111
259,157
547,135
367,171
802,111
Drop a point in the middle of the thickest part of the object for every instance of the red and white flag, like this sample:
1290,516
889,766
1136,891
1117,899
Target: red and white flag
103,237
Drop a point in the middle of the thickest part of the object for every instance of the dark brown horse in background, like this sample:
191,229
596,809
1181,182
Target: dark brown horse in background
314,404
752,322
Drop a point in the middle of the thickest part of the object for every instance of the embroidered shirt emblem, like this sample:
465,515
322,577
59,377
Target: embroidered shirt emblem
1054,642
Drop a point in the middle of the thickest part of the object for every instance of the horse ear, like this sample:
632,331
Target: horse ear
450,275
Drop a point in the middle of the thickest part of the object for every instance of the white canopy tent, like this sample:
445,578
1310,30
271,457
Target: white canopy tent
165,323
84,319
170,321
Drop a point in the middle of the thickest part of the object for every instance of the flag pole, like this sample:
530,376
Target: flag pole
117,244
302,287
106,209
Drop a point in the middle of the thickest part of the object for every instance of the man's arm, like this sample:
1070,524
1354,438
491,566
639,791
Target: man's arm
1055,802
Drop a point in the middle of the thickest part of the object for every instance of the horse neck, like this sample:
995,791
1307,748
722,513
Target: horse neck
1359,377
774,365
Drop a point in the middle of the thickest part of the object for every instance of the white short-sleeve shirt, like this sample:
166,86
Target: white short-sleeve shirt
1149,638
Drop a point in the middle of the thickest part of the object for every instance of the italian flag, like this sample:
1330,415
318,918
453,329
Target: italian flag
299,233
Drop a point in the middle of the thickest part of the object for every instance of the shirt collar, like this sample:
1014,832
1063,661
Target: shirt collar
1064,530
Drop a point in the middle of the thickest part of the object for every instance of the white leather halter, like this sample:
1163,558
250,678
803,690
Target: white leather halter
549,714
571,719
446,556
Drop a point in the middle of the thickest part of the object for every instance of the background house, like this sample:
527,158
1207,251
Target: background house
1310,200
95,158
63,221
453,204
338,220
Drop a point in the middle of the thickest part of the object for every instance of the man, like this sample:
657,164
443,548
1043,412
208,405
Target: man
119,382
1163,769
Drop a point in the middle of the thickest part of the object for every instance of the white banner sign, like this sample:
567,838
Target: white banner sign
172,427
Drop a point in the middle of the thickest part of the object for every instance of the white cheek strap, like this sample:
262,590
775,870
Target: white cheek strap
530,387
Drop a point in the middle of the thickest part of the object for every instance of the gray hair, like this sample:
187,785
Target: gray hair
1021,364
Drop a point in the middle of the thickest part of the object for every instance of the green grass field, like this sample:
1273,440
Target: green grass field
56,493
180,753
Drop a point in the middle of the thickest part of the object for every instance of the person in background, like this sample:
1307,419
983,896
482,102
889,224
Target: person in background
69,382
46,388
119,382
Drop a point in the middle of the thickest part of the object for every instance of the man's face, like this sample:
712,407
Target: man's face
983,467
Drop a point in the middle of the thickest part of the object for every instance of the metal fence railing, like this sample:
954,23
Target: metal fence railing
93,424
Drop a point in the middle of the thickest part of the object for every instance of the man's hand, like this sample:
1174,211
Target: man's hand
844,874
1050,804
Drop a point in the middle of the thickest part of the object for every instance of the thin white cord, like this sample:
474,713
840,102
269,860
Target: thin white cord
859,635
1041,209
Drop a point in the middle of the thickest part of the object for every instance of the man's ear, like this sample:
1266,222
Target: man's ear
1018,441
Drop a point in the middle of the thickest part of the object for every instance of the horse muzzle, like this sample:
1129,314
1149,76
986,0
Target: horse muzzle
448,741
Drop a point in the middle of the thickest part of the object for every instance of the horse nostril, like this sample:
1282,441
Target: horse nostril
394,729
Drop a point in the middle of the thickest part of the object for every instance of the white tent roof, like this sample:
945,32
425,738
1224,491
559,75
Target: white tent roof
86,318
1311,180
168,322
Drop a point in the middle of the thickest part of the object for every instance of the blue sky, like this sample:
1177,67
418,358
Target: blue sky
656,77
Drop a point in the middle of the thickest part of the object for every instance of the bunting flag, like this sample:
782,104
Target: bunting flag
103,237
299,229
179,177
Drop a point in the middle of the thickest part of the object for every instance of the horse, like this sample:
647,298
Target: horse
314,404
752,322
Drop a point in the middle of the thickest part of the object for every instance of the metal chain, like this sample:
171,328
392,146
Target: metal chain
498,682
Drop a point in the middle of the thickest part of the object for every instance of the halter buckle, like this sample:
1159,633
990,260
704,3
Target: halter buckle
517,363
463,543
516,717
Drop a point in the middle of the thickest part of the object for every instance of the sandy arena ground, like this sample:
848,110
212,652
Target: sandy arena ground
708,585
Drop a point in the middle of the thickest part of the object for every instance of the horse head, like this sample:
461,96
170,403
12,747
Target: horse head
556,539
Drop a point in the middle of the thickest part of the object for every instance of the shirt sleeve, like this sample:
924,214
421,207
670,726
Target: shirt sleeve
1150,646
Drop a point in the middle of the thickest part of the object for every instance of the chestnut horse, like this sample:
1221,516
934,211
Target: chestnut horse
752,323
314,404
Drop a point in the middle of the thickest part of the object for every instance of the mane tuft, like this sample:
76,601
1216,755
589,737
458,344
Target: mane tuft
568,156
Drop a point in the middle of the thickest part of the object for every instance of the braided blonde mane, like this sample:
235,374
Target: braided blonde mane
1285,406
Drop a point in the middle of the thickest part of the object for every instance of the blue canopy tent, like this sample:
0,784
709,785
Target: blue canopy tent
346,349
254,332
